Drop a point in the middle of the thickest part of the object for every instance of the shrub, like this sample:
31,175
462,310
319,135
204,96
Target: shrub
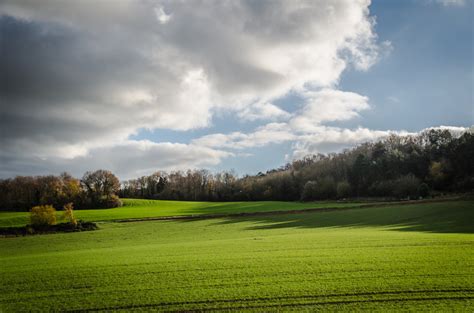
383,188
43,215
323,189
437,172
406,186
326,188
69,214
343,189
113,201
309,191
423,190
267,194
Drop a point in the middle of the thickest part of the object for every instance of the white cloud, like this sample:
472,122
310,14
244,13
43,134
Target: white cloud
331,139
320,139
161,16
128,159
454,130
452,2
305,125
327,105
263,111
94,73
393,99
262,136
132,157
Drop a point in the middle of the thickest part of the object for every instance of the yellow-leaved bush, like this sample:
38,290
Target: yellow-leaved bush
68,214
43,215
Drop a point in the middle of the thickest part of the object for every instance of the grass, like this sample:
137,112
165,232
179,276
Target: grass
413,257
139,208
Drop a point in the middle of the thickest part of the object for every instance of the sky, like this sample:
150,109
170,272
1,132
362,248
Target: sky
140,86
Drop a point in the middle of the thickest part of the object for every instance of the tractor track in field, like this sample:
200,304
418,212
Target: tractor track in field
280,212
313,300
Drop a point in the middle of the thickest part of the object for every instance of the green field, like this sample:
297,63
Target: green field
412,257
137,208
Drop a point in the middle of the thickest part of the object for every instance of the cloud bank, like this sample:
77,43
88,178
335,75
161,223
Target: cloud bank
80,78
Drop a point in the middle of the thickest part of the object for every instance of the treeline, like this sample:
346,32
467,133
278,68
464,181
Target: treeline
396,167
94,190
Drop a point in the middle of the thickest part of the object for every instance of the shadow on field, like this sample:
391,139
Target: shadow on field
446,217
210,208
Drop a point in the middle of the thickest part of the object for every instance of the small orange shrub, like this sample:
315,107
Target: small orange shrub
69,214
43,215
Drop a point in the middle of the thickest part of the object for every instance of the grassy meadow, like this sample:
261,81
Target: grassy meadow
412,257
140,208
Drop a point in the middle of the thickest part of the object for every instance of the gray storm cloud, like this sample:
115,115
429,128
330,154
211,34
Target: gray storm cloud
81,77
